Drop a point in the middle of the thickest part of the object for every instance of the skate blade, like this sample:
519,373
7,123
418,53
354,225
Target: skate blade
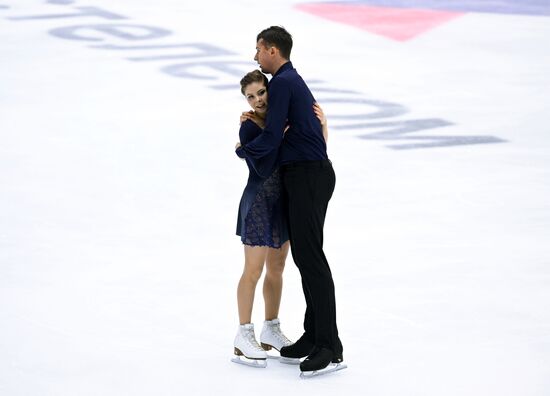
256,363
287,360
329,369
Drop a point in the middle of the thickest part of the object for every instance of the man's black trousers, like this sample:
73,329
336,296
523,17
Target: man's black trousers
308,187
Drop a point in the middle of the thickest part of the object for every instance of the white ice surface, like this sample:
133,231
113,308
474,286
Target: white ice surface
119,190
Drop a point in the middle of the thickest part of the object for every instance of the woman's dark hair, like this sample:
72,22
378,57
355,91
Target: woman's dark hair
253,76
277,36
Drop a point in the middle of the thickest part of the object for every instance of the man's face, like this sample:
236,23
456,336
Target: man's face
263,56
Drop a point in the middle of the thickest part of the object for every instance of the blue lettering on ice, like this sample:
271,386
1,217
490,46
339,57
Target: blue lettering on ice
204,61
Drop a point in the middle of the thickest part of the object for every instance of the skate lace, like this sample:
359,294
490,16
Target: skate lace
251,338
279,334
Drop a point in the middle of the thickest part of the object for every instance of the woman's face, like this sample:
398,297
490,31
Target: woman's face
256,96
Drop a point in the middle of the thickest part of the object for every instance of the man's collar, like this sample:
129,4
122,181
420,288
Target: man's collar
285,66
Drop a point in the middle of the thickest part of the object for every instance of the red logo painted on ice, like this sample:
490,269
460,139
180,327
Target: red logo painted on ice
396,23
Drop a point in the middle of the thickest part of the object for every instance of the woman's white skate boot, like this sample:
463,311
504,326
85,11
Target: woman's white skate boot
247,349
273,337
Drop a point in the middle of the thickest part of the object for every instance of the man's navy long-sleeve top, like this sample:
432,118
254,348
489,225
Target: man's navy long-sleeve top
290,102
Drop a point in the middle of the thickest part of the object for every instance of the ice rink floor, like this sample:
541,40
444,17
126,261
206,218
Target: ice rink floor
119,190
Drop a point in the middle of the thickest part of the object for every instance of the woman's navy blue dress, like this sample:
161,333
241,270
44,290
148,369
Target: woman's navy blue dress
261,220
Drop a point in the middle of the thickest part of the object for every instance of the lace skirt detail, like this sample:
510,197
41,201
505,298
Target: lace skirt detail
261,217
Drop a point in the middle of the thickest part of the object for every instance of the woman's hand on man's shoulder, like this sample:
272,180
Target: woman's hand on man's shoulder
252,116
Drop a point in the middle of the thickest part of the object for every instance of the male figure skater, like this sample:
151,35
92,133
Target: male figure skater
308,182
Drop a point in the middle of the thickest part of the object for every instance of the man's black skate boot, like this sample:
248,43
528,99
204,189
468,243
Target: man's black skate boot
299,349
338,352
319,359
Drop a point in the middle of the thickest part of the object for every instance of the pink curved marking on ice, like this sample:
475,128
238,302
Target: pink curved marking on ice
396,23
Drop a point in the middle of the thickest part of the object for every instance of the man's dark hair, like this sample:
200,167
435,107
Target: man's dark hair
253,76
277,36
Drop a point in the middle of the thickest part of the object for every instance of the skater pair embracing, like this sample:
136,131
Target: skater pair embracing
286,198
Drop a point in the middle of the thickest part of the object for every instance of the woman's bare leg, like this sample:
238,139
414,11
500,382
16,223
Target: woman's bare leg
254,258
273,282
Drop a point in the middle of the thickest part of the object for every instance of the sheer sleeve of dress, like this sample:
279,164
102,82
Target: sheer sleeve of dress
264,166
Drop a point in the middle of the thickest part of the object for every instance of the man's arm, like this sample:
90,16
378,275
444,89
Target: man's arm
272,136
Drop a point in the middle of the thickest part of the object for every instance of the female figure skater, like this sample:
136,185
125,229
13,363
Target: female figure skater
263,231
262,227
